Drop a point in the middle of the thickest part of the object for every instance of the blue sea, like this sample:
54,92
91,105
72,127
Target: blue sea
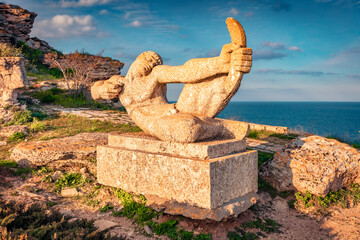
336,119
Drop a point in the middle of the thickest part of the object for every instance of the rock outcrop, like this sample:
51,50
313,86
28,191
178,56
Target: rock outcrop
12,77
40,153
107,68
315,164
15,23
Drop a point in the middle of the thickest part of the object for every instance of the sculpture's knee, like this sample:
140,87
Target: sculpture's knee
186,130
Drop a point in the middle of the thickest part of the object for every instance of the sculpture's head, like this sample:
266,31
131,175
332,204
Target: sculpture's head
143,64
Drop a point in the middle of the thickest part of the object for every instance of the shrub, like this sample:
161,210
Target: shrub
70,180
20,118
7,50
17,136
8,163
59,97
34,57
37,126
75,67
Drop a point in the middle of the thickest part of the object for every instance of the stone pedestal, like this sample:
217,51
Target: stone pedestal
206,180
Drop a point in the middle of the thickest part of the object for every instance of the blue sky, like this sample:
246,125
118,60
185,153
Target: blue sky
303,50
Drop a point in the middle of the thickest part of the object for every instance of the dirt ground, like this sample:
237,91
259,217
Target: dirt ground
338,223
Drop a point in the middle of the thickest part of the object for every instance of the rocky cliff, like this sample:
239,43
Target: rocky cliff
15,23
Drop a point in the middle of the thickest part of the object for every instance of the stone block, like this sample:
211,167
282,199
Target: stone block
201,150
201,185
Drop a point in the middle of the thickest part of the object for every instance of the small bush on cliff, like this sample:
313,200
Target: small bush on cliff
34,60
75,67
7,50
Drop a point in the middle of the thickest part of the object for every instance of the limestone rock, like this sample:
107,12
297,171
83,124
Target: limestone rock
69,192
103,225
40,153
37,43
15,23
56,175
12,77
313,164
10,130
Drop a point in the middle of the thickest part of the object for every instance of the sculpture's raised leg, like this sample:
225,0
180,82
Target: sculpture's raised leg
210,97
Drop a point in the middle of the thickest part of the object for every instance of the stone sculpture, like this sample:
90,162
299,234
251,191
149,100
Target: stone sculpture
186,161
209,85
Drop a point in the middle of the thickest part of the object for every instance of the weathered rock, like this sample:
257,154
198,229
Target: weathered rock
56,175
10,130
40,153
103,225
107,68
37,43
15,23
6,114
148,230
12,77
313,164
69,192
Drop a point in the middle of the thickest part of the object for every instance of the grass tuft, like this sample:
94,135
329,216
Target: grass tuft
17,136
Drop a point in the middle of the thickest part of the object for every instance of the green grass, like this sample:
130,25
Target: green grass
17,136
143,216
33,56
253,134
70,180
70,125
342,198
20,118
354,144
267,225
265,134
263,157
8,163
60,97
106,208
37,126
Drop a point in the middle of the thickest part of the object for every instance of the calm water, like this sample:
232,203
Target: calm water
322,118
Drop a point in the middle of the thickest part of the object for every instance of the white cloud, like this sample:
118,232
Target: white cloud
234,11
139,15
273,45
83,3
136,23
62,26
280,46
104,12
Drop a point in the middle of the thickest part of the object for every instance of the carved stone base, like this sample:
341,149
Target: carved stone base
207,180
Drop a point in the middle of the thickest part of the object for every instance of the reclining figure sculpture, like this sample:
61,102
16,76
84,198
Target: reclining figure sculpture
210,83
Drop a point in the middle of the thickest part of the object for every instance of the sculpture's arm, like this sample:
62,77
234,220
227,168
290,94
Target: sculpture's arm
109,89
197,70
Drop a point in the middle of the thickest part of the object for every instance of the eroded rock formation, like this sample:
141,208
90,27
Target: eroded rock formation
12,77
315,164
15,23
